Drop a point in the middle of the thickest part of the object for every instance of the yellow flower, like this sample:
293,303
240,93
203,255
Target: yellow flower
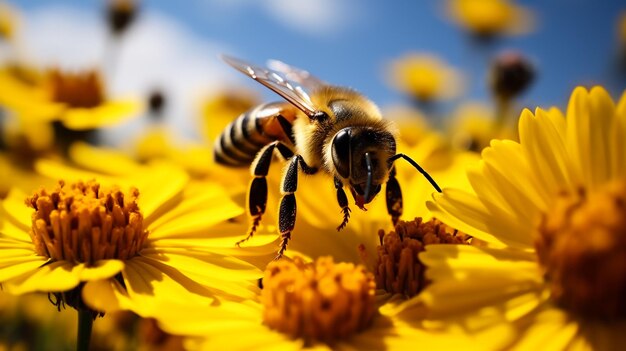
8,21
29,321
551,209
318,213
414,124
292,289
196,158
222,107
158,236
473,125
17,172
157,143
425,77
321,305
78,100
486,18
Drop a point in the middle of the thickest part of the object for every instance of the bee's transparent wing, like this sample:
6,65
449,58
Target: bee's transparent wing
294,94
298,75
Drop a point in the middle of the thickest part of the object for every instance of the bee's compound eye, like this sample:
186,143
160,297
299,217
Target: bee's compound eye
341,152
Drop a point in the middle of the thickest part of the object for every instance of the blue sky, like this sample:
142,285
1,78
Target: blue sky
349,42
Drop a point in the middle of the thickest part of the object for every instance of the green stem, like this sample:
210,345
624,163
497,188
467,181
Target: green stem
85,322
502,111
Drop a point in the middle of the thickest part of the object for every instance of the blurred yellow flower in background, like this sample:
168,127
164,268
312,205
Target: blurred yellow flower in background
413,124
425,77
222,107
157,143
195,157
551,210
19,176
8,21
486,18
473,125
30,324
77,99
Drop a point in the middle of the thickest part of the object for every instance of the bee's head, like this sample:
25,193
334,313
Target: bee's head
360,156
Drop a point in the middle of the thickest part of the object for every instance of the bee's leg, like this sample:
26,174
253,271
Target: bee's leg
342,199
257,194
393,194
287,209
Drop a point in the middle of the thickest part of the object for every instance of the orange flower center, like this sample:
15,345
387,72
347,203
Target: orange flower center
83,222
581,244
398,269
319,301
79,90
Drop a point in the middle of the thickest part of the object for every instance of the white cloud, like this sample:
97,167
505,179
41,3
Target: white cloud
312,17
156,52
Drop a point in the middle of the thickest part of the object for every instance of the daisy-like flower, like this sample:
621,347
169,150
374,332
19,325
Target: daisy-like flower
425,77
474,124
99,247
486,18
551,209
8,22
322,294
320,305
157,143
29,322
15,174
76,99
195,157
222,107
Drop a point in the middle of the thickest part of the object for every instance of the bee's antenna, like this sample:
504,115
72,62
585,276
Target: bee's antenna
368,185
414,164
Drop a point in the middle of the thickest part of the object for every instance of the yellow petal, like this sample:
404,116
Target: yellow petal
102,269
548,159
204,266
9,254
465,212
195,215
109,295
108,114
9,231
102,160
550,331
16,269
511,283
15,207
160,187
619,139
204,319
206,277
54,277
498,159
148,286
57,170
578,129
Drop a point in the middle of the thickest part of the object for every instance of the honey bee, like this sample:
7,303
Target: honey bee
319,128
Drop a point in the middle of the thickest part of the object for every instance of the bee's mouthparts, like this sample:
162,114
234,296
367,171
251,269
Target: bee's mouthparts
359,199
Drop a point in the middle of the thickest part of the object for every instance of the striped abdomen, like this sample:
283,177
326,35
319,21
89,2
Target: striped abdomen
242,139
